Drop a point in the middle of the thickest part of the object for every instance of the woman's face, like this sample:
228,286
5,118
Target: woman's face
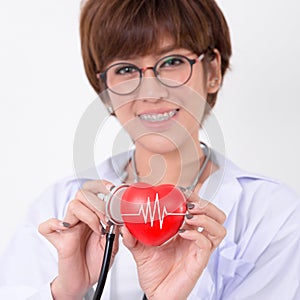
160,118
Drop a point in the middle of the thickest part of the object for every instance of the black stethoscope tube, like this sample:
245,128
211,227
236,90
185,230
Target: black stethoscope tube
110,237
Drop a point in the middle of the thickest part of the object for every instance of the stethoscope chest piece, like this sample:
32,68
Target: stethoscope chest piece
113,204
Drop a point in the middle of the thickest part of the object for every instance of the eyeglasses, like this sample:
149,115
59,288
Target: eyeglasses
171,71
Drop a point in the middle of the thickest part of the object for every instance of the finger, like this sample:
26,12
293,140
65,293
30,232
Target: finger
51,226
201,251
92,201
210,225
195,205
200,203
213,230
98,186
215,240
78,212
200,240
129,240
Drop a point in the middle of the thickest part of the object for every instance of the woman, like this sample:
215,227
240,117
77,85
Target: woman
158,66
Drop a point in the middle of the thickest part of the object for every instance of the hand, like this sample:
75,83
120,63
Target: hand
170,271
79,242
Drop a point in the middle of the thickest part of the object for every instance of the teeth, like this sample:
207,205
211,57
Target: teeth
158,117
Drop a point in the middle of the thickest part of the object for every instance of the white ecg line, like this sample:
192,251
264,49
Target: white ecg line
161,214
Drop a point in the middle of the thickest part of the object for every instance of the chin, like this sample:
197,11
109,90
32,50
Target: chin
158,143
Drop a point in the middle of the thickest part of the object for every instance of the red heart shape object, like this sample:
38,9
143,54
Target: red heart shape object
153,214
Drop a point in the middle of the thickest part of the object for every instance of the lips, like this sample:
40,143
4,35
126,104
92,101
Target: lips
158,117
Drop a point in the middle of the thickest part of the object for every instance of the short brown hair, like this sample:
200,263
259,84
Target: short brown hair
111,29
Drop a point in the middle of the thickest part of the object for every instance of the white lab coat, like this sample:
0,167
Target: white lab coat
259,258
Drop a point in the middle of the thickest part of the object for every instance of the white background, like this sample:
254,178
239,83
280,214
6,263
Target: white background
44,92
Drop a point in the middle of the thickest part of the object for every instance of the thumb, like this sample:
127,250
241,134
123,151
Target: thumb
129,240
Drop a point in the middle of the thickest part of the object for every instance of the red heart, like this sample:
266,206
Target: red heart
153,214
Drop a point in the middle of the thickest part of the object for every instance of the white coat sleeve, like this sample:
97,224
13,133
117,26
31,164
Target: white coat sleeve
270,241
29,263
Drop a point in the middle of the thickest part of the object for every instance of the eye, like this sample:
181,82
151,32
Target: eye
125,70
172,61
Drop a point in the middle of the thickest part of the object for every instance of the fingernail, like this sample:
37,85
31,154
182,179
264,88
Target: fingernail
181,230
66,224
190,205
189,216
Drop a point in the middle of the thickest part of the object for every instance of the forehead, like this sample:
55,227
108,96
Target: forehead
161,46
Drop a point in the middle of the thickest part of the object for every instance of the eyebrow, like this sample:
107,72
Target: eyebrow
165,49
157,53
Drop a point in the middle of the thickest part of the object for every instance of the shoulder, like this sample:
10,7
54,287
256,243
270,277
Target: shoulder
266,207
260,210
251,190
264,196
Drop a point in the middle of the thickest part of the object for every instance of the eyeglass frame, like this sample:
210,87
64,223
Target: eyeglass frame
103,76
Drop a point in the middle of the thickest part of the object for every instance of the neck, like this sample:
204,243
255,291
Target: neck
179,167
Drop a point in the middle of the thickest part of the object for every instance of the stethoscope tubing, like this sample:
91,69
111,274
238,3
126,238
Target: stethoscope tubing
110,237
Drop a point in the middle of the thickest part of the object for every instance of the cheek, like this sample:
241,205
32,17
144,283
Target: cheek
193,104
124,113
129,121
191,122
198,81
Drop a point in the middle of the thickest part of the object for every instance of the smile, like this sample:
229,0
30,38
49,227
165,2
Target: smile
159,117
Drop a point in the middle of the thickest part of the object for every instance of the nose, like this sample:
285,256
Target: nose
149,69
151,88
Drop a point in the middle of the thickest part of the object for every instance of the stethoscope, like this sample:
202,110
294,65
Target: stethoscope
112,203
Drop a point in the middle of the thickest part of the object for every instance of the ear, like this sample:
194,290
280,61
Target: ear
214,75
